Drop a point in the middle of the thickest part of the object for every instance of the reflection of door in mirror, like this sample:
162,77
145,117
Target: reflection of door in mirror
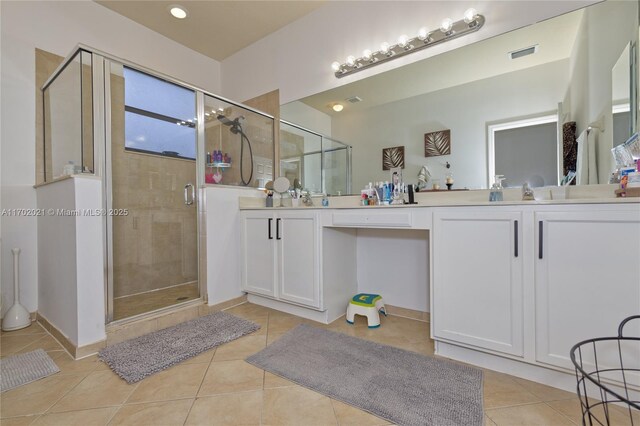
525,151
620,105
291,168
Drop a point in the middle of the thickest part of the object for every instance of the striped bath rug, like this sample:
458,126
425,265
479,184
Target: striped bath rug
18,370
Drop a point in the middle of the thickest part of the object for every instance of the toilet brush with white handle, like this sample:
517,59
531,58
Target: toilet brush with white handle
17,316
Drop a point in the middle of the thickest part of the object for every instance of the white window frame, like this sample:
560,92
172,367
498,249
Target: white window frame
527,122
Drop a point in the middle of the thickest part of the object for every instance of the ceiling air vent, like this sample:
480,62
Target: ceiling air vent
523,52
354,99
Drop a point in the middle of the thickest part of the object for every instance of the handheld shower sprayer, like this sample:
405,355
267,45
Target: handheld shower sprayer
235,127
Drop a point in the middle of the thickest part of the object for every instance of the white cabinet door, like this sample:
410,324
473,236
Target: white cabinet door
587,279
297,236
258,253
477,278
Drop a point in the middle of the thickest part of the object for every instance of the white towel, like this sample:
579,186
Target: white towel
587,168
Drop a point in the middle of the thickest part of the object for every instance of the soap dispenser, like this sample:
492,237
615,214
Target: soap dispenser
496,189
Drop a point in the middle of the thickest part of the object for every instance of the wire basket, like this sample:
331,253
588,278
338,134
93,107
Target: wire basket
608,376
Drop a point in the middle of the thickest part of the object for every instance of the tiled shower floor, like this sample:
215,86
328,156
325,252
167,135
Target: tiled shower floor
125,307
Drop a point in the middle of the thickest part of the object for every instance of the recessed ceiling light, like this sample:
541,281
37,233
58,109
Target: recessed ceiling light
178,11
337,107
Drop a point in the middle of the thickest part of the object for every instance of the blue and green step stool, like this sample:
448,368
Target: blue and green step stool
368,305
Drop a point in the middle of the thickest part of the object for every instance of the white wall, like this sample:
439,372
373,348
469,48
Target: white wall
57,26
90,263
403,123
223,241
305,116
605,32
297,58
395,264
57,290
70,259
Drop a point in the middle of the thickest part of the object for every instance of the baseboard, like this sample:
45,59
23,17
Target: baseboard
408,313
73,350
299,311
206,309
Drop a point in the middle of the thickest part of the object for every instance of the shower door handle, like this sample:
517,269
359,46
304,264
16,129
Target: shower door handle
189,201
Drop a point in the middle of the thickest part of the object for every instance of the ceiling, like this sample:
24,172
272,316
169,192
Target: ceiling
214,28
488,58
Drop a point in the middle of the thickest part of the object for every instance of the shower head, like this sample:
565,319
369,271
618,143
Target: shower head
224,120
235,125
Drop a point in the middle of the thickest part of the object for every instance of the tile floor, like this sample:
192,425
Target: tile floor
218,387
128,306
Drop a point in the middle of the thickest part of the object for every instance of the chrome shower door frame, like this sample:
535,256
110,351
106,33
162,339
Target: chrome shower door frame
103,141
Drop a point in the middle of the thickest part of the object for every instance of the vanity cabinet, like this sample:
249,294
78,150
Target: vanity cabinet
587,278
478,279
280,256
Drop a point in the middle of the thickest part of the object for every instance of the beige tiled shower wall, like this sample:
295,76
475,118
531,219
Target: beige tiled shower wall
87,113
264,140
219,137
46,64
155,245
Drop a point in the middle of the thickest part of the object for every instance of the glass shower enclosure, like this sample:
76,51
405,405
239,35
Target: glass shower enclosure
320,163
155,142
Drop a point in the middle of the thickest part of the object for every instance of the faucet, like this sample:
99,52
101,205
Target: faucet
306,198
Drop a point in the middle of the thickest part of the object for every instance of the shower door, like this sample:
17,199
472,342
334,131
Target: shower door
152,233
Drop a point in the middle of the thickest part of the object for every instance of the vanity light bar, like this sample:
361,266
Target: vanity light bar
448,30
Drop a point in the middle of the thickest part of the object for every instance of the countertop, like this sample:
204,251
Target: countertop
592,194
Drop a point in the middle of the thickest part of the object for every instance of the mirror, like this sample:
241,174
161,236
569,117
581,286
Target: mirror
482,90
620,96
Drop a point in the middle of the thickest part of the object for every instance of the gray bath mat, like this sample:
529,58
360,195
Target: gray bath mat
18,370
135,359
402,387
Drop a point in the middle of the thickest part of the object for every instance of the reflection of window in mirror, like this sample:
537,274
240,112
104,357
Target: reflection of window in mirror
620,80
525,151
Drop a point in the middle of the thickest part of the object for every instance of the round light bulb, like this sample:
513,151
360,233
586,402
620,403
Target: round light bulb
423,33
351,60
367,55
403,40
446,25
335,66
470,15
337,107
384,48
178,11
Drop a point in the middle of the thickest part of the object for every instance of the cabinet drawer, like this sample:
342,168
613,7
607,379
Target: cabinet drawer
373,219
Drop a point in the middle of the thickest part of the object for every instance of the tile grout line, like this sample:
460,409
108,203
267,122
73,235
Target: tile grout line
560,412
110,419
200,387
64,394
42,335
334,411
264,372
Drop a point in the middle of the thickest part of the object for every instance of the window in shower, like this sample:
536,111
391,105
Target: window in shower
160,117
